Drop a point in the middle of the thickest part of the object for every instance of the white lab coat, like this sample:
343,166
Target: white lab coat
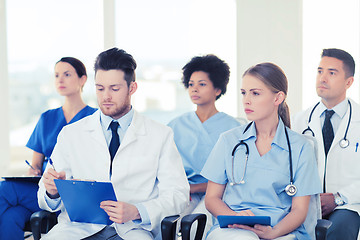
343,164
147,169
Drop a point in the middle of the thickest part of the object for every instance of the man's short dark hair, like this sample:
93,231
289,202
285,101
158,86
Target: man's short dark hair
345,57
117,59
217,69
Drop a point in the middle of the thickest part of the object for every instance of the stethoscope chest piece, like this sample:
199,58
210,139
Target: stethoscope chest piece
290,189
344,143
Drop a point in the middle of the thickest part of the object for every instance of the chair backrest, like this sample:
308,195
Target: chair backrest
314,212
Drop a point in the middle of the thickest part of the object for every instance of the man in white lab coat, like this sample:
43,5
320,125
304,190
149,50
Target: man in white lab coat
338,135
146,169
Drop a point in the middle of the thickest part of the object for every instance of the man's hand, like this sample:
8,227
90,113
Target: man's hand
327,203
48,179
120,212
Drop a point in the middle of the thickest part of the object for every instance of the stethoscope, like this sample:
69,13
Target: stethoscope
290,189
344,143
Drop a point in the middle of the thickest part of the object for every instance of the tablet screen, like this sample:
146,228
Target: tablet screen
224,220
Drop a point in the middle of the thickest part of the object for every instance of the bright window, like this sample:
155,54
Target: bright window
40,32
163,36
329,24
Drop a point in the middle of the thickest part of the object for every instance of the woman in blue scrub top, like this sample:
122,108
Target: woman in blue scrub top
18,200
260,183
196,132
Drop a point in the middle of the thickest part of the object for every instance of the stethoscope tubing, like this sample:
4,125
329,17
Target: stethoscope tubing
346,131
290,189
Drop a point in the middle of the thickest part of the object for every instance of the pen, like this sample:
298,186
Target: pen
356,146
51,163
27,162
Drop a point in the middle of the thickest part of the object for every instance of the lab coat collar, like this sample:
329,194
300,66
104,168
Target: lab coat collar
355,111
136,128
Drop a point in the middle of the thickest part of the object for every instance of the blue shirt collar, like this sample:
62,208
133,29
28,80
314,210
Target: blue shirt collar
339,109
124,121
279,138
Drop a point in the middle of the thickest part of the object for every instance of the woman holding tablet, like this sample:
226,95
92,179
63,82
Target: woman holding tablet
262,168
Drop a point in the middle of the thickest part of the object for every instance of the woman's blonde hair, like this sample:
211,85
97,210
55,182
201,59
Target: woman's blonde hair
273,77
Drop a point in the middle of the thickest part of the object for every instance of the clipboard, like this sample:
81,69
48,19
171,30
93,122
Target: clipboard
33,179
82,200
224,220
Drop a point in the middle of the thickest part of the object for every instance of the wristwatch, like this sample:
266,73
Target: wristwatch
338,200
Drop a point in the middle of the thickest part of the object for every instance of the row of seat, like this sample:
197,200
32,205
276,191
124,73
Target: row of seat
43,221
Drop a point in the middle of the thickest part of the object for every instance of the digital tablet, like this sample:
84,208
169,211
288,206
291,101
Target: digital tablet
224,221
34,179
82,200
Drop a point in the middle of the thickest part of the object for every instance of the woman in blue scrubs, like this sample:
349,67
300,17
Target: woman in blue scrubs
257,187
196,132
18,200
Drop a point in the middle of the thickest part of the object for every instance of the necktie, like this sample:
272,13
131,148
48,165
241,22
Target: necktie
327,131
114,143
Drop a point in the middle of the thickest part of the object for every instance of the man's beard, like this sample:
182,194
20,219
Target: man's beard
117,112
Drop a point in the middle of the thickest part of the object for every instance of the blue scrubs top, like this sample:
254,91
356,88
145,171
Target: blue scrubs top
266,176
195,140
44,136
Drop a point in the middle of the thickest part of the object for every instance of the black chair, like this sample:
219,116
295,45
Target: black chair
186,223
42,222
27,228
168,227
167,224
321,228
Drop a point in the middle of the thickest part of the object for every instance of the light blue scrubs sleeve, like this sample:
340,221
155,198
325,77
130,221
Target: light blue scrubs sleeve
306,177
214,168
145,219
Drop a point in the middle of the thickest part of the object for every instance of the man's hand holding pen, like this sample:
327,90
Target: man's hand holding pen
48,179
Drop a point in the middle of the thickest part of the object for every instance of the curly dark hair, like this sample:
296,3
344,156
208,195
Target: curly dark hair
217,69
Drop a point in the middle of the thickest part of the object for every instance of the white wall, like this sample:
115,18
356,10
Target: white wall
271,31
109,23
4,94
